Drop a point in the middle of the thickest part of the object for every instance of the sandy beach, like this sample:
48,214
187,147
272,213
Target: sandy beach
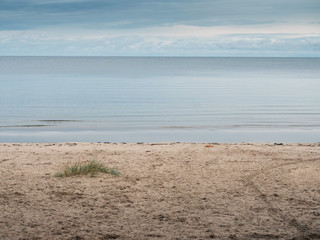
166,191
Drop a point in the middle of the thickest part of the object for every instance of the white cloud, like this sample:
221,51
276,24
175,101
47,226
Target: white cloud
266,40
176,31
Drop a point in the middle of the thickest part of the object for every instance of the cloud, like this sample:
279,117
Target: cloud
162,27
174,40
32,14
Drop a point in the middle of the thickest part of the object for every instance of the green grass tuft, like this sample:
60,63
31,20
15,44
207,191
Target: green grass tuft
84,168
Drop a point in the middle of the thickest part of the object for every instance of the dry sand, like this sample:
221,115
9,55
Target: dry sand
166,191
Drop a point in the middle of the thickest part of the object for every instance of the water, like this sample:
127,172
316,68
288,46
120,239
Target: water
118,99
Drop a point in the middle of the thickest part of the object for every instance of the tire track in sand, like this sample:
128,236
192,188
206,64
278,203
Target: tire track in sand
305,231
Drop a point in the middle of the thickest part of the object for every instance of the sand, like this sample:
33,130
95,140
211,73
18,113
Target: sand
166,191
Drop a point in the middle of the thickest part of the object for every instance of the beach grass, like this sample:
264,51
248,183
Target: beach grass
91,168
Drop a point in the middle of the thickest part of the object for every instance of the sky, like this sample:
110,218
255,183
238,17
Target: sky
243,28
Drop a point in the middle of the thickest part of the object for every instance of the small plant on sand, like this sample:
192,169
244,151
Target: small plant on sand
84,168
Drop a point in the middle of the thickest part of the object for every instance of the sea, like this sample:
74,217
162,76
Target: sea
159,99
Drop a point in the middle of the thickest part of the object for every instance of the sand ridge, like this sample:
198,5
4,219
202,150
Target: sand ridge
166,191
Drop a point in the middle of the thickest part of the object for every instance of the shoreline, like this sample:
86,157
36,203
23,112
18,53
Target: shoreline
74,143
167,135
167,190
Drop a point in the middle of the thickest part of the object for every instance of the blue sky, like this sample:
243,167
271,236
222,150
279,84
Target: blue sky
160,28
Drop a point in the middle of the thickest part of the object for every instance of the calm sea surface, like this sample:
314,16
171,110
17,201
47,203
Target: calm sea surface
119,99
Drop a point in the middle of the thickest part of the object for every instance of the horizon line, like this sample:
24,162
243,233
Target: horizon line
160,56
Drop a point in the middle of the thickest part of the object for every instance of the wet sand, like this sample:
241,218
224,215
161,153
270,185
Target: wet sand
166,191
